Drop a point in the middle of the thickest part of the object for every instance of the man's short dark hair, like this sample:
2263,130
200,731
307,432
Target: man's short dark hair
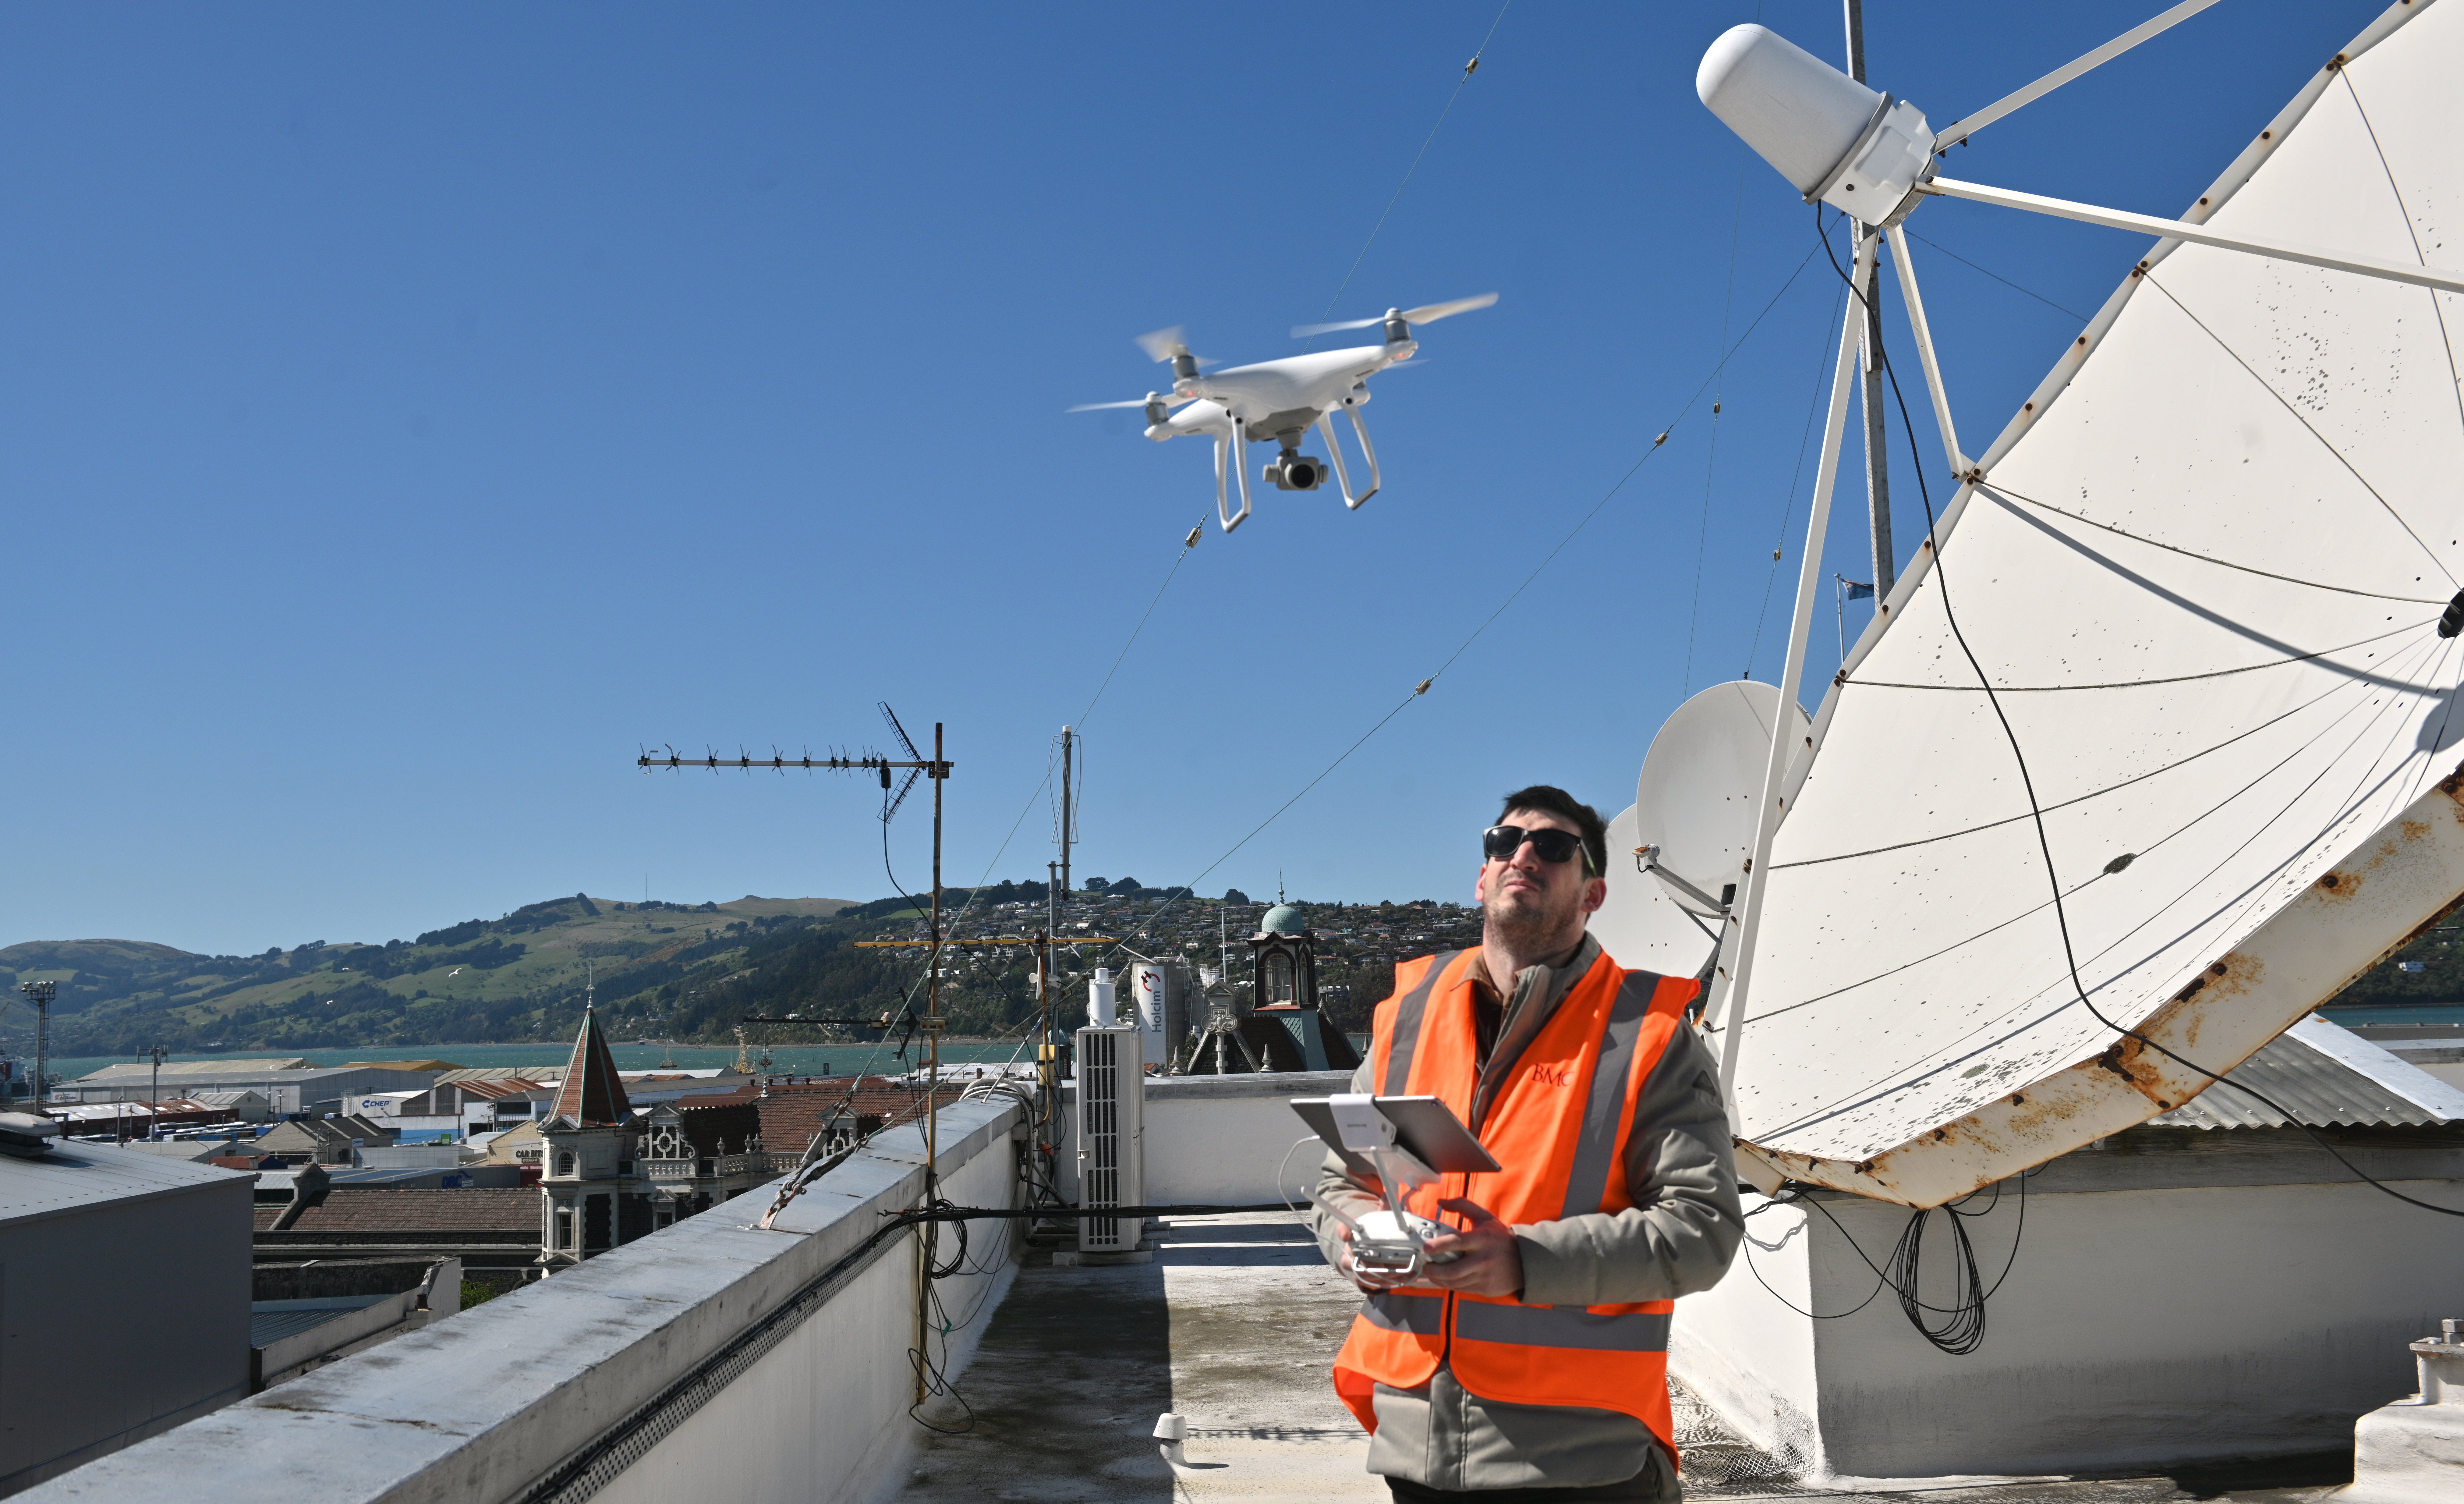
1546,799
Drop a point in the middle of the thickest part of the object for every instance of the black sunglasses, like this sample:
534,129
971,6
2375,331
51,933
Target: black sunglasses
1500,842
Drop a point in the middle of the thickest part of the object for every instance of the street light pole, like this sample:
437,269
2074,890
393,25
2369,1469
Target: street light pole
40,994
154,1107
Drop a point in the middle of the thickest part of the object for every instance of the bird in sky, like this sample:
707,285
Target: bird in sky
455,972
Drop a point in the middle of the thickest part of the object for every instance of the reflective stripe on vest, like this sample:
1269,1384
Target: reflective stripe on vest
1559,1326
1587,1188
1407,1026
1402,1311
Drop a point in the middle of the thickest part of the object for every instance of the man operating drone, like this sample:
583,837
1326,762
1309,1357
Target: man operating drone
1280,400
1521,1351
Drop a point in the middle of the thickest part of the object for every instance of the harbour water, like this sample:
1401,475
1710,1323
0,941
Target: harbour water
2349,1017
784,1059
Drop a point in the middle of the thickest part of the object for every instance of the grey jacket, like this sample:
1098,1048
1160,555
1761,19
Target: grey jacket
1677,1238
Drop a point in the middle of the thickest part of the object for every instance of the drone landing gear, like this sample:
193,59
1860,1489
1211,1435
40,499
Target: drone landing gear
1229,447
1335,451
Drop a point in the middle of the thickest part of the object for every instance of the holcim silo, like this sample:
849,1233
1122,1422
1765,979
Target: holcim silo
1159,991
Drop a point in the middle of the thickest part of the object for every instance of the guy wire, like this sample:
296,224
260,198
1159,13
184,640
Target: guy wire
1657,444
1430,140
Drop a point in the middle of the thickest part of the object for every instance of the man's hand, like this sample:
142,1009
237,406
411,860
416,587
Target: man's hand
1487,1262
1369,1281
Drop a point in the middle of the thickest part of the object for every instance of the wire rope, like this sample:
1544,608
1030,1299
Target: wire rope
2253,891
1426,143
1996,489
2172,678
1822,357
1189,888
1190,540
2337,688
1711,450
2296,414
2040,907
1999,278
2438,308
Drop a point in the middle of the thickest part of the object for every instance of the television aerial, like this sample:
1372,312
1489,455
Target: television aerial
1280,400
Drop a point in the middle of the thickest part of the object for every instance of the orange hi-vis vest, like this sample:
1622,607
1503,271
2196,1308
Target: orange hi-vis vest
1558,1127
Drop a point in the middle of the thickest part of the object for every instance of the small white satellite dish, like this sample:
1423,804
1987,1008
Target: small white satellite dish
1701,782
1640,925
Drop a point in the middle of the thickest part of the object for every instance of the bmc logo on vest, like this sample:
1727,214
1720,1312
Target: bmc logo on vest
1552,1074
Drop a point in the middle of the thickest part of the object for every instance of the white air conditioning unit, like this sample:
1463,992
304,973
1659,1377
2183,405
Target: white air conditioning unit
1111,1135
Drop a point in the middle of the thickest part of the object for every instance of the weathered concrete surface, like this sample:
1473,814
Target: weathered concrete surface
1234,1326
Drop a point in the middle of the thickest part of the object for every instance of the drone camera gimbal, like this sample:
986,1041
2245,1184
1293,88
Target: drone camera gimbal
1294,470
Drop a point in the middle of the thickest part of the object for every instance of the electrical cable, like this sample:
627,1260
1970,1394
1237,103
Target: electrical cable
2062,913
2179,830
1964,1332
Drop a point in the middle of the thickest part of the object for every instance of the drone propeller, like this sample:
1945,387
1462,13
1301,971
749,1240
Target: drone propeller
1163,343
1426,312
1166,398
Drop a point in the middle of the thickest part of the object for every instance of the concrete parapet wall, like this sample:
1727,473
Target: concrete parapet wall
493,1403
1216,1140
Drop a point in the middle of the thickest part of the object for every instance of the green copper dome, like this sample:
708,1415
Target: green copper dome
1282,919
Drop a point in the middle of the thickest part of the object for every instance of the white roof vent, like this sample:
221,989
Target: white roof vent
25,1135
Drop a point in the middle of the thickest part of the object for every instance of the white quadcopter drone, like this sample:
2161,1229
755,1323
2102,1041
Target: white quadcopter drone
1281,400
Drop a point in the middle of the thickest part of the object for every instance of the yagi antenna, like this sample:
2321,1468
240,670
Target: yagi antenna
913,773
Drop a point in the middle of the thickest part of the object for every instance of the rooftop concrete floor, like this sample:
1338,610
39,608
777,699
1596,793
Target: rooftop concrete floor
1233,1326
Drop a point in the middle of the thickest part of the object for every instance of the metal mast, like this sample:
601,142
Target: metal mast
40,994
933,1023
1069,830
1877,465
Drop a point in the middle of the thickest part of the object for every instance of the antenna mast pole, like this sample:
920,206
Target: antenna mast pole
1736,958
939,766
1068,740
940,771
1878,460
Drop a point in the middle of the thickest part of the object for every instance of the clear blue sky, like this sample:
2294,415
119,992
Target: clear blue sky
406,413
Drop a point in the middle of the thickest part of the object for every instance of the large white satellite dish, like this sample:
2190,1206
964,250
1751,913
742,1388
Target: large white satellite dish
2227,671
1700,786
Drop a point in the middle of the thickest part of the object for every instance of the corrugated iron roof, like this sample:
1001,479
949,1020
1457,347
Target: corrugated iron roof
270,1321
476,1209
2326,1077
215,1066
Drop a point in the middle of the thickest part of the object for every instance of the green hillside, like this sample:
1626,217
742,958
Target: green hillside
480,980
690,972
666,970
